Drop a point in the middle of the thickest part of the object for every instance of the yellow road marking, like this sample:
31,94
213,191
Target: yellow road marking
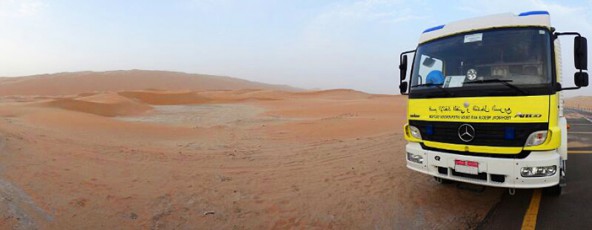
530,217
579,152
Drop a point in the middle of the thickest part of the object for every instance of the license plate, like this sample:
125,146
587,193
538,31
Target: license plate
469,167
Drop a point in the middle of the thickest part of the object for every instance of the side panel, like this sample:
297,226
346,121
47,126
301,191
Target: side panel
561,122
563,147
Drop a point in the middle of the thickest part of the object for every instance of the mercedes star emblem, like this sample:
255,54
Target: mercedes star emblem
466,132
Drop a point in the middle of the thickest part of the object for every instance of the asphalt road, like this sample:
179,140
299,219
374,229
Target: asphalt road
529,209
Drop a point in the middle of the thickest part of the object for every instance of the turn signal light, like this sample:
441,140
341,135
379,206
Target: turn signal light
536,138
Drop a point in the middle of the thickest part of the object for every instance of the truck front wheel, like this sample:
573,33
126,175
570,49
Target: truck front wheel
553,191
556,190
442,180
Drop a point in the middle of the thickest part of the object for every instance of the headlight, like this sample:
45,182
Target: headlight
536,138
538,171
414,131
415,158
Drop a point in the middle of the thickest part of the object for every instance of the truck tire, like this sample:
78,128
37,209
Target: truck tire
442,180
552,191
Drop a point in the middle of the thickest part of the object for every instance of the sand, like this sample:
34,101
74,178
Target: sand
579,102
219,159
71,83
165,150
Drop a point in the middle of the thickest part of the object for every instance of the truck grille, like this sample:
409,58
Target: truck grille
486,134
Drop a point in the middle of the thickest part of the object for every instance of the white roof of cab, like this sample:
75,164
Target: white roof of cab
531,18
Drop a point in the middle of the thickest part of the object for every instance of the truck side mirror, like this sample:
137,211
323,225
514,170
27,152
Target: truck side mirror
581,79
403,74
403,68
581,53
403,87
580,60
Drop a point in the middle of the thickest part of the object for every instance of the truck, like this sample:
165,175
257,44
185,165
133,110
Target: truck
485,101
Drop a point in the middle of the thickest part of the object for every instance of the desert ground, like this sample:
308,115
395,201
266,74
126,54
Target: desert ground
580,102
172,158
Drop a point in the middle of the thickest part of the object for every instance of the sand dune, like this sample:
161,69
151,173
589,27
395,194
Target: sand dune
580,102
347,94
166,97
246,94
217,159
85,82
272,95
126,103
103,104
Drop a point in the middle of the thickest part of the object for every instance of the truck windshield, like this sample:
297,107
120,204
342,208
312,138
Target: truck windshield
504,62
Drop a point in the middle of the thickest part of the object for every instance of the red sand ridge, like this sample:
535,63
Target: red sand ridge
125,80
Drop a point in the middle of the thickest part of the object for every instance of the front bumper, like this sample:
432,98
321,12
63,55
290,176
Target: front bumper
496,172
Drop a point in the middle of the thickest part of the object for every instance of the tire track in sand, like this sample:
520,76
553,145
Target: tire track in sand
17,209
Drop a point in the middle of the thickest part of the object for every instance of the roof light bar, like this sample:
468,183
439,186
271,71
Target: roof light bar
538,12
433,28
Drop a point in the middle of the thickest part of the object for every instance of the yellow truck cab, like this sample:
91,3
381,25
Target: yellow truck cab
485,101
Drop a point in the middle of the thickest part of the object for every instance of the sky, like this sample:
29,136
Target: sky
309,44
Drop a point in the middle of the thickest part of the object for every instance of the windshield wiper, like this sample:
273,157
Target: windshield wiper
504,82
439,86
